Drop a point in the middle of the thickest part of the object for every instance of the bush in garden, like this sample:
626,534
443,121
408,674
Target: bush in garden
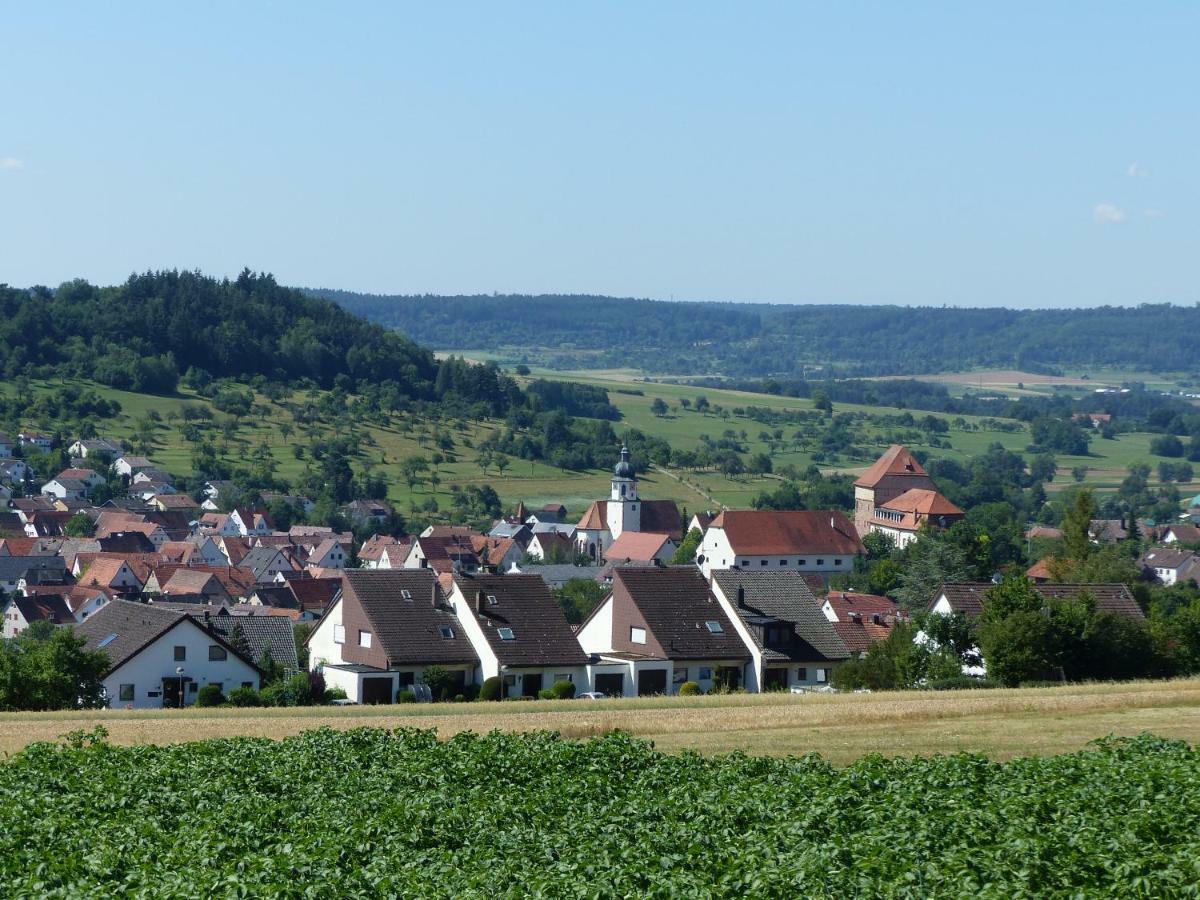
406,697
564,690
335,693
490,689
244,696
546,694
210,695
689,689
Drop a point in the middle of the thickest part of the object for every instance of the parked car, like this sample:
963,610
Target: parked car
592,695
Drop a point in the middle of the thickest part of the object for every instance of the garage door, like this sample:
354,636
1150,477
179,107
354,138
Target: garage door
611,684
377,690
652,681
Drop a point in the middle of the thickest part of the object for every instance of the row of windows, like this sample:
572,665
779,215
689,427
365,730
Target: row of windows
216,653
126,692
745,563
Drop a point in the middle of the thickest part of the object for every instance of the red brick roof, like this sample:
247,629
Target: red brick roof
924,503
896,461
787,533
638,546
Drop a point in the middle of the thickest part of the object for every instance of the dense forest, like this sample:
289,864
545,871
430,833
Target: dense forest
143,334
747,339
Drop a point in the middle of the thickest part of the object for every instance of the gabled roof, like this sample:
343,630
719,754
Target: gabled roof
126,628
788,533
784,596
895,461
969,598
541,635
261,633
844,603
45,607
13,568
1186,532
409,630
1167,558
103,572
677,605
314,594
638,546
259,559
924,502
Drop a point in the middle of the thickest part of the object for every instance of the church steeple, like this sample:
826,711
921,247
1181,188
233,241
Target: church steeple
624,481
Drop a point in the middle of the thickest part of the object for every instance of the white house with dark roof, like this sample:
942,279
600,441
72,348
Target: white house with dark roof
161,658
792,643
658,629
384,630
519,632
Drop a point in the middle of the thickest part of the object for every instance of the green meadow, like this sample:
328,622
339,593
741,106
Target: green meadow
385,446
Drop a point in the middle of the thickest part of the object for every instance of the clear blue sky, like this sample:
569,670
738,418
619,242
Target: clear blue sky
1031,154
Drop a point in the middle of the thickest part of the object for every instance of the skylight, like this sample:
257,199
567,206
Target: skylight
447,632
491,598
506,634
714,626
407,595
108,640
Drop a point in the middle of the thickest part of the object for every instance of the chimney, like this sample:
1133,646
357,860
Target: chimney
479,602
741,597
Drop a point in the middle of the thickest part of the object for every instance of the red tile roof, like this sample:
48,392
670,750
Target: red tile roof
637,546
787,533
896,461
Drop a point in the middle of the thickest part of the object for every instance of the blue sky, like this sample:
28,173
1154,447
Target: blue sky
1022,154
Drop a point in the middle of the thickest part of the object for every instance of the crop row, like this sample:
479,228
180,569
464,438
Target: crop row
371,813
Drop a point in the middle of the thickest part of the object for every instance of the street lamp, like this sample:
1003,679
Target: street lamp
179,672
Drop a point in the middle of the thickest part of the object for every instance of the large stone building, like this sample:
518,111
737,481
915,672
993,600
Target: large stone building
897,497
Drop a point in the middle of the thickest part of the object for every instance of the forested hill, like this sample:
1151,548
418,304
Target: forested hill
766,339
143,334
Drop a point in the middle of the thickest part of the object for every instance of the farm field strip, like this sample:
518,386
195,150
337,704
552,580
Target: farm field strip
999,723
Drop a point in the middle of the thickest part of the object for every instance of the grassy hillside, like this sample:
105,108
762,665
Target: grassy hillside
385,445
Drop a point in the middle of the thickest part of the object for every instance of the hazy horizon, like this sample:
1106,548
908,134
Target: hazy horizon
1018,156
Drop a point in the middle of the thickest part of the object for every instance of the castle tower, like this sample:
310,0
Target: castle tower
891,475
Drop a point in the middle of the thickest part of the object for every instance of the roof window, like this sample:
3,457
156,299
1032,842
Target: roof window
506,634
447,632
715,627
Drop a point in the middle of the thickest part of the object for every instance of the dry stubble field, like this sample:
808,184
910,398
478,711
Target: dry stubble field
842,728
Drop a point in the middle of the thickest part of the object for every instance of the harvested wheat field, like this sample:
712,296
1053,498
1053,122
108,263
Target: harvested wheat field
1000,723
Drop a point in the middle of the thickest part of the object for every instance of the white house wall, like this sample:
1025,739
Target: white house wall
596,634
147,669
321,646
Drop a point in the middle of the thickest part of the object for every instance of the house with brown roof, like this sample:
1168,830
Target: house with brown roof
518,631
861,620
606,520
443,552
1181,533
382,551
498,554
1169,565
797,540
659,628
549,546
21,612
386,628
111,574
969,599
161,657
903,517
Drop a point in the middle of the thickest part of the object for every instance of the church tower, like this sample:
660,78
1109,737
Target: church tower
623,506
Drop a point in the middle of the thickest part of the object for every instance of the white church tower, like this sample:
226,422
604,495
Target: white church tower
623,514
